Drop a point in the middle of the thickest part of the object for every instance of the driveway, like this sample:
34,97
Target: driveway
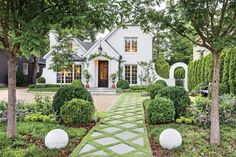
101,102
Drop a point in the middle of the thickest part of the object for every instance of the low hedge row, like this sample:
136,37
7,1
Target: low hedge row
31,86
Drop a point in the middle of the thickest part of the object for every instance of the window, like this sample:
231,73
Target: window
38,70
131,73
131,44
70,74
77,72
25,68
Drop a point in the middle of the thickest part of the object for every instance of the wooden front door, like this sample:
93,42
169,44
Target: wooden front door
103,74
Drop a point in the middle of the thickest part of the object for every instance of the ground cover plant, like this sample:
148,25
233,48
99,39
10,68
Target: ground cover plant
30,140
195,141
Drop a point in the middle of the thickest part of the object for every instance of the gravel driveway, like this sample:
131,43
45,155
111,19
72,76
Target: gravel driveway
102,102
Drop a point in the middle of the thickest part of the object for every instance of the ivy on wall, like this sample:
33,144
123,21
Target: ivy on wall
200,71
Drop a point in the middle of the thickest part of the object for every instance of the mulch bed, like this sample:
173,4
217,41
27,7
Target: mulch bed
64,152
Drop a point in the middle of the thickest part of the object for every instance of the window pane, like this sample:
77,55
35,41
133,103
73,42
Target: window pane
59,76
134,45
134,74
127,45
25,68
127,73
68,75
77,72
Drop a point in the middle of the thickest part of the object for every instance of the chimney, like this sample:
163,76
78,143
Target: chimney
53,38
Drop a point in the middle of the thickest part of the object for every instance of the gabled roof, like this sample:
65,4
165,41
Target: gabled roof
86,45
101,40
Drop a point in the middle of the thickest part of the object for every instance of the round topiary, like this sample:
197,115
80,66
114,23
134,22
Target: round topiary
123,84
153,89
77,112
162,82
77,83
160,110
179,96
67,93
41,80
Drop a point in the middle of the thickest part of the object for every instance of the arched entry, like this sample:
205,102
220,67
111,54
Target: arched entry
172,71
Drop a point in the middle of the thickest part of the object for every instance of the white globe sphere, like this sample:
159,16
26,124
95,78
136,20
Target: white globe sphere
56,139
170,139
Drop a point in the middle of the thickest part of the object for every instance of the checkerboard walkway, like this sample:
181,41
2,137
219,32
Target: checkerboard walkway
121,133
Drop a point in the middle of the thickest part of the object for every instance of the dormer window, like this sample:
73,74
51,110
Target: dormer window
131,44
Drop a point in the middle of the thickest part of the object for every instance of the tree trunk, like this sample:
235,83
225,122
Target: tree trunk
11,118
215,123
35,69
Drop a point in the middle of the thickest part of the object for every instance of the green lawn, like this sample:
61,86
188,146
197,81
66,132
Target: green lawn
196,141
30,140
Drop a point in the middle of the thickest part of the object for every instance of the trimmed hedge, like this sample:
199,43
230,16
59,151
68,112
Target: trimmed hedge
153,89
77,83
77,112
161,82
41,80
200,71
179,97
160,110
123,84
67,93
31,86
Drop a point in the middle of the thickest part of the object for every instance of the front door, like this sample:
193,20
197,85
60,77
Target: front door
103,74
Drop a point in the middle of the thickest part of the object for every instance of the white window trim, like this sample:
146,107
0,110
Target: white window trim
131,38
27,68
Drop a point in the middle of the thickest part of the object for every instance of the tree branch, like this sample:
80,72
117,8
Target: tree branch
43,10
222,17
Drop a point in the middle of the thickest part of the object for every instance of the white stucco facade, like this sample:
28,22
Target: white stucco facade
110,48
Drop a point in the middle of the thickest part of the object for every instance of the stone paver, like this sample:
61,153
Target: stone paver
121,133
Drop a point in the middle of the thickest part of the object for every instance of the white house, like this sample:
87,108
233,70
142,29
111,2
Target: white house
122,47
199,51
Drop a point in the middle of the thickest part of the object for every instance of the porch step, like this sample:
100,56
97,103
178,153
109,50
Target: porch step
102,91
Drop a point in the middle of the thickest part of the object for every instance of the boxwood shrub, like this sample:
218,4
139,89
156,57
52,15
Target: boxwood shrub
179,97
77,83
153,89
41,80
161,82
123,84
77,112
67,93
160,110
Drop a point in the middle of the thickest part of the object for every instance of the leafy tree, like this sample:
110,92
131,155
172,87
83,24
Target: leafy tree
23,23
62,57
213,21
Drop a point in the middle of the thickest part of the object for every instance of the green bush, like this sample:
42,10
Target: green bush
31,86
77,83
179,73
21,79
77,112
40,118
153,89
123,84
43,104
160,110
41,80
140,87
179,96
162,82
183,119
67,93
